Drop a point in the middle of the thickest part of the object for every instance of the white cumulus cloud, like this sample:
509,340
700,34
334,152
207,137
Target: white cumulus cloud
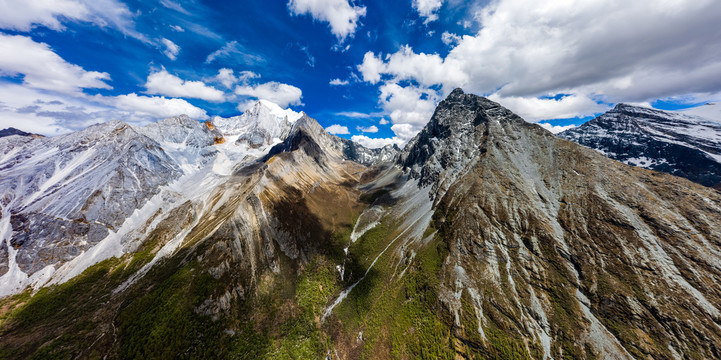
282,94
411,105
338,82
428,9
341,15
228,78
450,39
601,50
367,129
404,132
47,113
164,83
409,108
374,143
44,69
534,109
337,129
53,113
157,106
405,64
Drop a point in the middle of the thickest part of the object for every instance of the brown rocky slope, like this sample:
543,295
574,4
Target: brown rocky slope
488,238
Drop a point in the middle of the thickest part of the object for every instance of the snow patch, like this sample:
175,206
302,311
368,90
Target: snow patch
14,280
223,165
367,220
60,174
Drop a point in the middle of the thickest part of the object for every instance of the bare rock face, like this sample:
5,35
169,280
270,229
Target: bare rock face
452,140
676,143
64,194
181,131
581,255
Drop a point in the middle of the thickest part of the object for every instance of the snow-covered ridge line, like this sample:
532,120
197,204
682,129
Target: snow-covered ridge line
680,143
101,184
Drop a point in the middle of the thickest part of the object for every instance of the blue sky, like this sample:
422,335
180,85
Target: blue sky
374,68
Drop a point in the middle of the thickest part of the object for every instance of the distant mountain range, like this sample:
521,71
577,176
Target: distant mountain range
264,236
682,144
14,131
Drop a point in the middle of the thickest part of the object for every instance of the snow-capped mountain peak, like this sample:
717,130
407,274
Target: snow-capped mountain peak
276,110
682,144
263,124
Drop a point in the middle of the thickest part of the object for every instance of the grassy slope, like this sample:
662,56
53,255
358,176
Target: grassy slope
385,316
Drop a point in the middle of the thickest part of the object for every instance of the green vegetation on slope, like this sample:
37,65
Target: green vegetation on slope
394,316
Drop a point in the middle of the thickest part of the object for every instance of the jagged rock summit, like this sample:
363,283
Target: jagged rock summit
565,252
308,131
460,130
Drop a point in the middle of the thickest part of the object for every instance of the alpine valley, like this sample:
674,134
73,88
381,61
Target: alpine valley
264,237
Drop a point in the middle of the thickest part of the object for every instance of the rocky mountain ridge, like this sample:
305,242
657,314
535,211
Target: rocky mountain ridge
485,237
86,186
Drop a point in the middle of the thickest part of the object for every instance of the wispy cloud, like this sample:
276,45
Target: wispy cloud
171,49
24,15
234,52
174,6
360,115
42,68
311,59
